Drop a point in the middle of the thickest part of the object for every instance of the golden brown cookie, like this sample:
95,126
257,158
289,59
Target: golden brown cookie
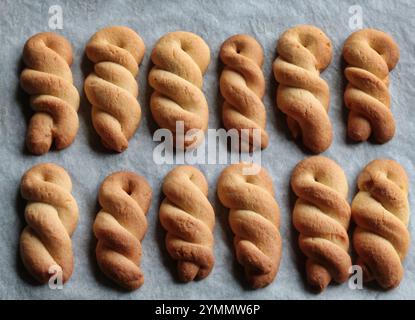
370,54
321,216
111,88
188,218
47,78
381,212
51,215
120,227
303,52
180,60
254,218
242,84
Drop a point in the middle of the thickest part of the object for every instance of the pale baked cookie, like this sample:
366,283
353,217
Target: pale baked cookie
47,78
120,227
188,218
303,52
370,54
51,215
180,61
254,218
111,88
242,84
321,216
381,212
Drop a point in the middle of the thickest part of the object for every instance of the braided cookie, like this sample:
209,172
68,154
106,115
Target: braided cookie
321,215
370,54
242,84
47,78
120,227
111,88
189,218
51,215
180,61
303,52
254,218
381,212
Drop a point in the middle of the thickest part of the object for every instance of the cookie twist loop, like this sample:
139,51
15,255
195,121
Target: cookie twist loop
189,219
47,78
254,219
120,226
51,215
381,212
242,84
180,61
111,88
370,55
321,215
303,52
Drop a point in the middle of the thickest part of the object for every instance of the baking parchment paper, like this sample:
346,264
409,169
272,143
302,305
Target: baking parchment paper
88,163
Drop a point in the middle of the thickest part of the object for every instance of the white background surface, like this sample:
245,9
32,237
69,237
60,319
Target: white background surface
88,163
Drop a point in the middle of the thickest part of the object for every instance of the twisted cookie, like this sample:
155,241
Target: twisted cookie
111,88
370,55
321,216
51,214
180,60
242,84
254,219
189,218
302,95
120,226
48,80
381,212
